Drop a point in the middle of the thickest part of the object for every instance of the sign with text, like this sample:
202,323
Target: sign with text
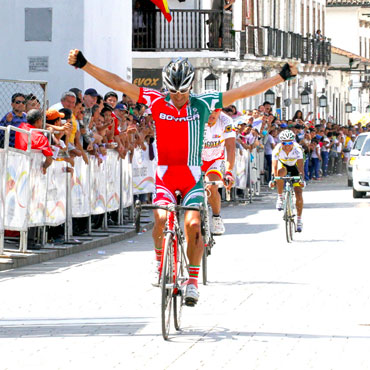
38,64
150,78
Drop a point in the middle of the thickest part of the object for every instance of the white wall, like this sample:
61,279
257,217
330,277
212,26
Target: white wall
66,33
342,26
105,41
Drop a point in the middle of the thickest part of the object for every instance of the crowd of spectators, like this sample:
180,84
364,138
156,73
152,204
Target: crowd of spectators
81,125
326,144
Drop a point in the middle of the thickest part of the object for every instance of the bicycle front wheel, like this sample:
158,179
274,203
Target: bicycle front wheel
181,276
287,217
167,284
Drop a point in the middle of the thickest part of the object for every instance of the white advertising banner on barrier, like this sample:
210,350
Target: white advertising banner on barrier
38,190
2,187
98,187
80,189
143,172
113,180
17,191
56,200
127,193
253,159
241,169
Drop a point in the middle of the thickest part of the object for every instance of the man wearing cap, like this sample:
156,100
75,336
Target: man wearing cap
90,99
38,139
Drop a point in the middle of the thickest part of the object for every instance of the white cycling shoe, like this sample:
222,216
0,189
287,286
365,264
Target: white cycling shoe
299,226
279,204
218,227
191,295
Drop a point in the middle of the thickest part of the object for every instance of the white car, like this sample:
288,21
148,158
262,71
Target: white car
361,171
355,151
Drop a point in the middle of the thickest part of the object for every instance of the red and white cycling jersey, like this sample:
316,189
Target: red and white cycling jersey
215,136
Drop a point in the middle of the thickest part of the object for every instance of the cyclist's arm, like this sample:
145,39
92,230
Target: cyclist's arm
230,152
300,166
107,78
274,167
250,89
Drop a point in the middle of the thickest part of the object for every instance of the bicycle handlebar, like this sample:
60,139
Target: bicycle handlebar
170,207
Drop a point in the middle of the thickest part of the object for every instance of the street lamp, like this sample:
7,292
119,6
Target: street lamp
270,96
211,82
305,97
348,108
323,101
368,109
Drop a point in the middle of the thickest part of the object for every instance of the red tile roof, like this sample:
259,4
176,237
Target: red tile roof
348,54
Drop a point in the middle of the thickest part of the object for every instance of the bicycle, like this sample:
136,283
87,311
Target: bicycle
174,267
289,205
208,238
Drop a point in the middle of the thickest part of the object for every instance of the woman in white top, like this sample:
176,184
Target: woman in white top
315,160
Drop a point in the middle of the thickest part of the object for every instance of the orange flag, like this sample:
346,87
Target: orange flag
163,6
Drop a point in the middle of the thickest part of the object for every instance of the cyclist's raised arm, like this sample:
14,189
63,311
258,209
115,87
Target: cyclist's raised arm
76,59
288,72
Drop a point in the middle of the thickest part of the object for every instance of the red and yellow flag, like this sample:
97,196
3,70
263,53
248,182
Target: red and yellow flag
163,6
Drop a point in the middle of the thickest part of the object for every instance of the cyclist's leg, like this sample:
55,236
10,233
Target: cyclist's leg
215,173
192,223
165,194
299,199
282,171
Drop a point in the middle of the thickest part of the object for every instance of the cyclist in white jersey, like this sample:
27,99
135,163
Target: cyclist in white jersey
219,135
287,159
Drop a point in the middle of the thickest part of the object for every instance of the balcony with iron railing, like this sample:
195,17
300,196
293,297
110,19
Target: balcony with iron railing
189,30
211,30
271,42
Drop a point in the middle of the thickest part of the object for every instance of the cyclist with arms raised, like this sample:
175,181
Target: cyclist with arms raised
287,159
180,118
219,135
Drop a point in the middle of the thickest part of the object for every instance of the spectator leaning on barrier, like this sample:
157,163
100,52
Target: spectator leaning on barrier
90,99
38,139
15,117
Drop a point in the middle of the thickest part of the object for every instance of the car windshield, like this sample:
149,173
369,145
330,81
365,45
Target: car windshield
366,147
359,141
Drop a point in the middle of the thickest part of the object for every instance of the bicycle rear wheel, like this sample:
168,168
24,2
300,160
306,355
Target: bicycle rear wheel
167,285
181,276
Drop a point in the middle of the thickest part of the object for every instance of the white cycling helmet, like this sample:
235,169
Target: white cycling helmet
287,135
178,75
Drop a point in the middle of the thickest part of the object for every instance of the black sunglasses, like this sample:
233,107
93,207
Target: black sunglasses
19,101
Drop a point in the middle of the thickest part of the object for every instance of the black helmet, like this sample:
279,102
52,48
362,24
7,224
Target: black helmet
178,75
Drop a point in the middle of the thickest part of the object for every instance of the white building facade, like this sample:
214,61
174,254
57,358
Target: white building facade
38,34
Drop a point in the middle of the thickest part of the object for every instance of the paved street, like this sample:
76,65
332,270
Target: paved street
269,305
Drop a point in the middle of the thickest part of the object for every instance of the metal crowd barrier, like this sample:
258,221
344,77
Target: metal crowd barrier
30,199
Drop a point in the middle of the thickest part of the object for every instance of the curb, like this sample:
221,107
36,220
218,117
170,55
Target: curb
14,259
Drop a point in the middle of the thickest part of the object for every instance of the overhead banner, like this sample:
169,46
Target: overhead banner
143,172
151,78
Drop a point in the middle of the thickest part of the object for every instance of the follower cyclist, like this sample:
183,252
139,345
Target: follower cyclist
287,159
180,118
219,135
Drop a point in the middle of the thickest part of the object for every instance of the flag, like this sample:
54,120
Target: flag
257,124
163,6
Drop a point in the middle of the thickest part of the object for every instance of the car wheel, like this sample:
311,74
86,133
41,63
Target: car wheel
350,183
357,194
